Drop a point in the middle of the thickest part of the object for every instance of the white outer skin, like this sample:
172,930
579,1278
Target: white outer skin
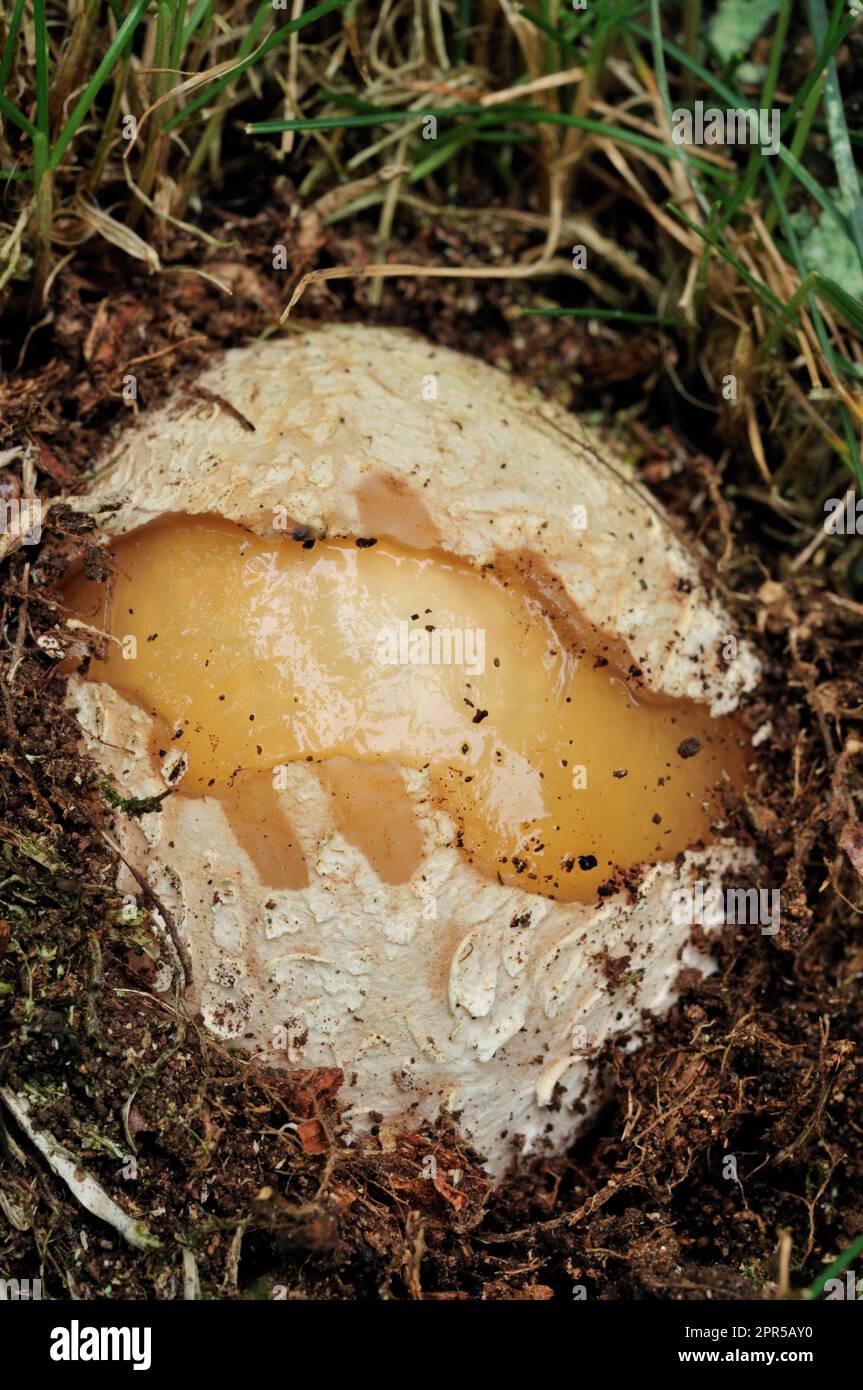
464,1012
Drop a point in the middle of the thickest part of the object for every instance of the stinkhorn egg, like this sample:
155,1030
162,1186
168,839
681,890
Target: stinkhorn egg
444,711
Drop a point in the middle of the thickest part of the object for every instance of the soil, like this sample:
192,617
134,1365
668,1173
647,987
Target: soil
727,1161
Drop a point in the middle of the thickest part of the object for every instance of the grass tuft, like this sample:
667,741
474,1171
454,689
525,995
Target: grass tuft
141,105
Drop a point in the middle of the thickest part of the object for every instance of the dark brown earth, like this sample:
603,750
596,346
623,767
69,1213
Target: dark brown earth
246,1169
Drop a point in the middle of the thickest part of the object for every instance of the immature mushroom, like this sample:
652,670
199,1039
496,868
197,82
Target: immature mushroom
423,902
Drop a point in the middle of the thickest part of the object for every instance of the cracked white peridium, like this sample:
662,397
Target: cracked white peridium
447,990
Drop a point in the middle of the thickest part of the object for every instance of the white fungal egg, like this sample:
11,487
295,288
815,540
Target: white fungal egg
441,705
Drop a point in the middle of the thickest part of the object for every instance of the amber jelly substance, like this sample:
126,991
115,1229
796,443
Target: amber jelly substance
362,659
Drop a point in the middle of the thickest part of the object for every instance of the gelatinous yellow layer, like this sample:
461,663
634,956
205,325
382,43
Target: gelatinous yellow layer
360,657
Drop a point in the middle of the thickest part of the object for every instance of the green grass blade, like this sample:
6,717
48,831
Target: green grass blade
656,39
673,50
17,117
817,1287
100,76
499,113
840,365
833,40
9,49
40,39
445,151
814,189
272,41
579,23
616,315
761,291
771,77
844,303
249,40
807,99
200,13
852,443
855,136
175,47
382,116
